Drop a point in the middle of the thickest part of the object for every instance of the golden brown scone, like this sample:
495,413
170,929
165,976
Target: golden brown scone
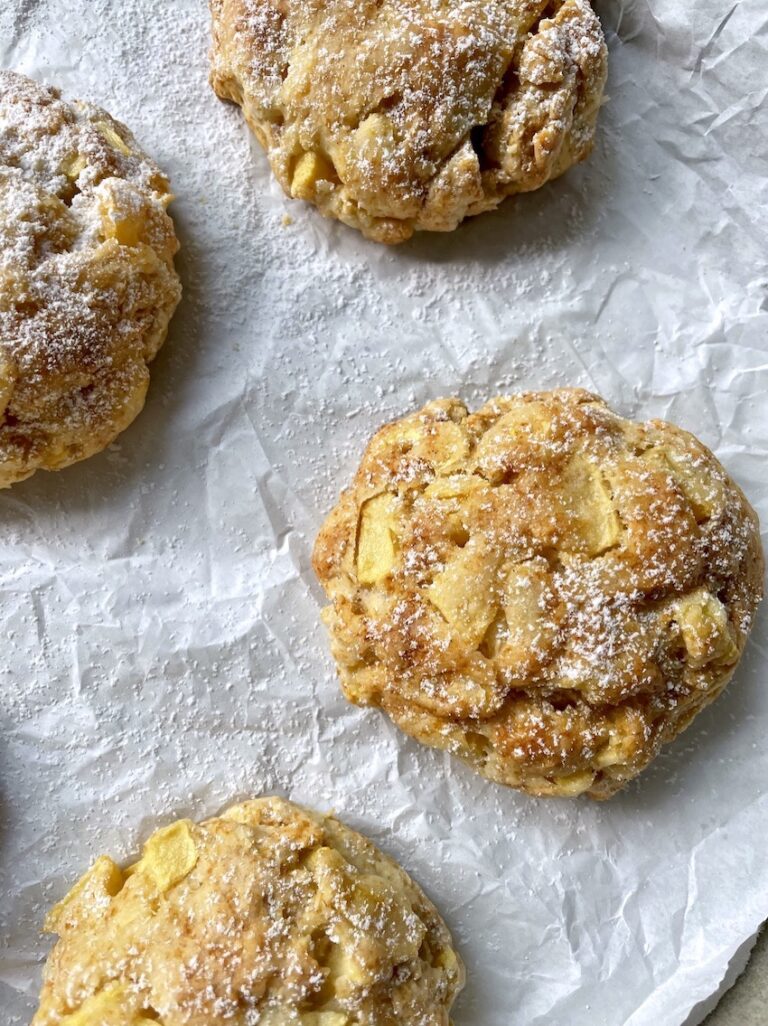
268,914
401,115
543,588
87,285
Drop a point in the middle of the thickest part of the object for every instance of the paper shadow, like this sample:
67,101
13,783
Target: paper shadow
712,738
546,220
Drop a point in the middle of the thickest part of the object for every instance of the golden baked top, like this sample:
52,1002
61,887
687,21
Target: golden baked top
397,115
87,285
268,914
542,587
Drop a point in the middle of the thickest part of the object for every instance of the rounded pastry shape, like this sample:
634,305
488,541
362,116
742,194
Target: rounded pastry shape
543,588
267,914
401,115
87,285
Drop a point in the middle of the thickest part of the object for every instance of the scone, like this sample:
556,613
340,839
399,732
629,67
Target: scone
268,914
543,588
401,115
87,285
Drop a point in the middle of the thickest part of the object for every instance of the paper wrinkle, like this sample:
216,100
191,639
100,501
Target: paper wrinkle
164,654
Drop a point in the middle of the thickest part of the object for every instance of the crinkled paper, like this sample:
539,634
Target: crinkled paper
163,654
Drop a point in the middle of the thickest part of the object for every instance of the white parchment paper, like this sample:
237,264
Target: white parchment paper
162,650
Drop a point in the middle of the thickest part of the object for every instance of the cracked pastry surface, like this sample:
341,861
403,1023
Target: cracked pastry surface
543,588
87,285
268,914
402,115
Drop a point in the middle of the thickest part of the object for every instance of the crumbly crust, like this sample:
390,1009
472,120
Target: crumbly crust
87,285
402,115
267,914
543,588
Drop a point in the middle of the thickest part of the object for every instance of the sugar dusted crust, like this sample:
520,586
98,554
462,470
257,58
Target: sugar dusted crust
268,914
87,285
395,116
543,588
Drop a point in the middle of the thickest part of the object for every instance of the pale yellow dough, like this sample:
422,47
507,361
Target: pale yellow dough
543,588
395,116
268,915
87,285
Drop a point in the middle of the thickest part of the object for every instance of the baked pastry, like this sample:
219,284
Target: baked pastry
402,115
87,285
543,588
267,914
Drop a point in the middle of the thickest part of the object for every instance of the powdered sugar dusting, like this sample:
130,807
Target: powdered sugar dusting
86,277
543,588
400,116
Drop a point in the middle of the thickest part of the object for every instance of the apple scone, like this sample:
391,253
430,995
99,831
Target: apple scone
543,588
401,115
267,914
87,284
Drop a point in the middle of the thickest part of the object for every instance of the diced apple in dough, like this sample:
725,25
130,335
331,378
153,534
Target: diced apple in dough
324,1019
524,593
444,445
513,440
120,220
703,622
169,855
371,900
702,490
529,629
447,488
589,501
466,591
112,137
310,169
376,539
91,894
112,1006
74,165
